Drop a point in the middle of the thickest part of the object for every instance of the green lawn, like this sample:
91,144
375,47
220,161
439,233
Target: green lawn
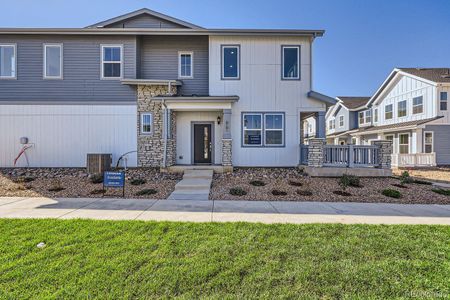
103,259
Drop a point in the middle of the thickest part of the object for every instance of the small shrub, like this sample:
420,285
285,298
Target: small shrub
56,187
146,192
237,191
405,178
96,178
257,183
391,193
24,179
400,186
417,181
354,181
138,181
295,183
442,192
278,193
344,182
96,192
304,192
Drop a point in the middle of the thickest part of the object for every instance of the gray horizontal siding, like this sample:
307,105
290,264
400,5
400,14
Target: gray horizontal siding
145,21
441,143
159,60
81,70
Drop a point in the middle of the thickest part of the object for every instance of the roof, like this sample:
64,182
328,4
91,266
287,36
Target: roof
353,102
197,98
321,97
401,125
438,75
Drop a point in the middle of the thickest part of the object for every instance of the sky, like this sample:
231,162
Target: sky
363,42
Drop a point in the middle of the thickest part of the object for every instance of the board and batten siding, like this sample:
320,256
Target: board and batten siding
159,60
441,136
81,71
261,89
62,135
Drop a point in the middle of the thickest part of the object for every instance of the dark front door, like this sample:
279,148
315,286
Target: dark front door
202,144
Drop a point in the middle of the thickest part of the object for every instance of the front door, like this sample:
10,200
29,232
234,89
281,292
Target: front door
202,144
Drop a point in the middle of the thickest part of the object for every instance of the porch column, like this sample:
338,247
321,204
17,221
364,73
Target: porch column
384,153
320,125
227,141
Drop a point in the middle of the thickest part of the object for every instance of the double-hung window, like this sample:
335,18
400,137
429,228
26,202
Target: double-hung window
365,117
53,61
418,105
230,62
368,116
341,121
428,141
146,123
111,61
8,61
443,100
290,62
375,115
388,112
401,109
185,64
403,144
263,129
361,117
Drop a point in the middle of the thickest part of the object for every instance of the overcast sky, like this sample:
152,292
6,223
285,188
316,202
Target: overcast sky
364,39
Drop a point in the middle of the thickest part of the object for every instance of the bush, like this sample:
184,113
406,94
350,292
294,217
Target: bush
237,191
24,179
391,193
146,192
257,183
278,193
138,181
96,192
295,183
96,178
405,178
304,193
442,192
56,186
344,182
354,181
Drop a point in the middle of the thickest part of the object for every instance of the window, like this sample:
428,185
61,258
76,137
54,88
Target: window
361,117
230,62
332,124
290,61
418,105
8,61
146,123
389,138
53,60
365,117
185,64
257,133
368,116
388,112
341,121
401,109
428,141
403,146
443,101
111,61
375,115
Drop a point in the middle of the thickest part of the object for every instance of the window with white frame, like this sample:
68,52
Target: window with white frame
332,124
361,117
53,61
185,64
8,61
418,105
111,61
401,109
388,111
375,115
230,62
389,137
365,117
443,100
403,143
428,141
273,129
263,129
341,121
146,123
290,62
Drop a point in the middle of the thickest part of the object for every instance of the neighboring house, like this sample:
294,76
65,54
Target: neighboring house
173,92
410,109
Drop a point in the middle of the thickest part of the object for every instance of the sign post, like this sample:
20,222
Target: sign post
114,180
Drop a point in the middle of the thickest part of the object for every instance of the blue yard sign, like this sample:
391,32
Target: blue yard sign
114,180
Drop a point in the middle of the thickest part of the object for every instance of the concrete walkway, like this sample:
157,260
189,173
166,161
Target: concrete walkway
224,211
194,186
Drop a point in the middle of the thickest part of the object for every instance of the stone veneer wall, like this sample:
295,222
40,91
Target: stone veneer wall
226,152
315,152
385,153
151,146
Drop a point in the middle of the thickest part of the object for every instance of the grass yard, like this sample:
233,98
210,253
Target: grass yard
130,259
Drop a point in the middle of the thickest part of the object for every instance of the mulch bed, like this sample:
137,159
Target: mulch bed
297,186
74,182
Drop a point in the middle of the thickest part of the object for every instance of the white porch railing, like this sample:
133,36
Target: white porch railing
414,160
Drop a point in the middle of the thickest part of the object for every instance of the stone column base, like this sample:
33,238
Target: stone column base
227,159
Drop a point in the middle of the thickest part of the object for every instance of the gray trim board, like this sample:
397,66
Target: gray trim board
222,46
299,62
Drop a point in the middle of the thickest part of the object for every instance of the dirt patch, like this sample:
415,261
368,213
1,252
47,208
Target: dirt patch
321,188
72,182
437,174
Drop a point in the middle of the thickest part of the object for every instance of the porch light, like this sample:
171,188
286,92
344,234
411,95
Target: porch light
218,120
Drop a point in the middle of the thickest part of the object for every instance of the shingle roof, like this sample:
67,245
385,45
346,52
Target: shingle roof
354,102
396,125
439,75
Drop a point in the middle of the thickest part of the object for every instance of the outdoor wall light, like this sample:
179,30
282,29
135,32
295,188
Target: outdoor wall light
218,120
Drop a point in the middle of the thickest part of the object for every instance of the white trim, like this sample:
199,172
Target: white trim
245,129
274,129
341,118
375,113
143,114
365,115
102,46
60,45
421,105
398,109
15,60
443,101
409,142
298,63
392,111
191,53
425,143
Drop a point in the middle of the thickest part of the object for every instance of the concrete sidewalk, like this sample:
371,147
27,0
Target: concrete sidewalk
224,211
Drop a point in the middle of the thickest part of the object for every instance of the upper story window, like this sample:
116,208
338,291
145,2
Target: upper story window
375,115
365,117
331,124
146,123
185,64
8,61
290,62
111,61
401,109
388,112
53,61
443,101
418,105
230,62
341,121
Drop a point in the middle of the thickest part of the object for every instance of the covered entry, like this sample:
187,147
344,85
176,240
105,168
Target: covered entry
202,142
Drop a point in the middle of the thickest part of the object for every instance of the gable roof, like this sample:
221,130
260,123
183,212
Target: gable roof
438,75
144,11
353,102
396,126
